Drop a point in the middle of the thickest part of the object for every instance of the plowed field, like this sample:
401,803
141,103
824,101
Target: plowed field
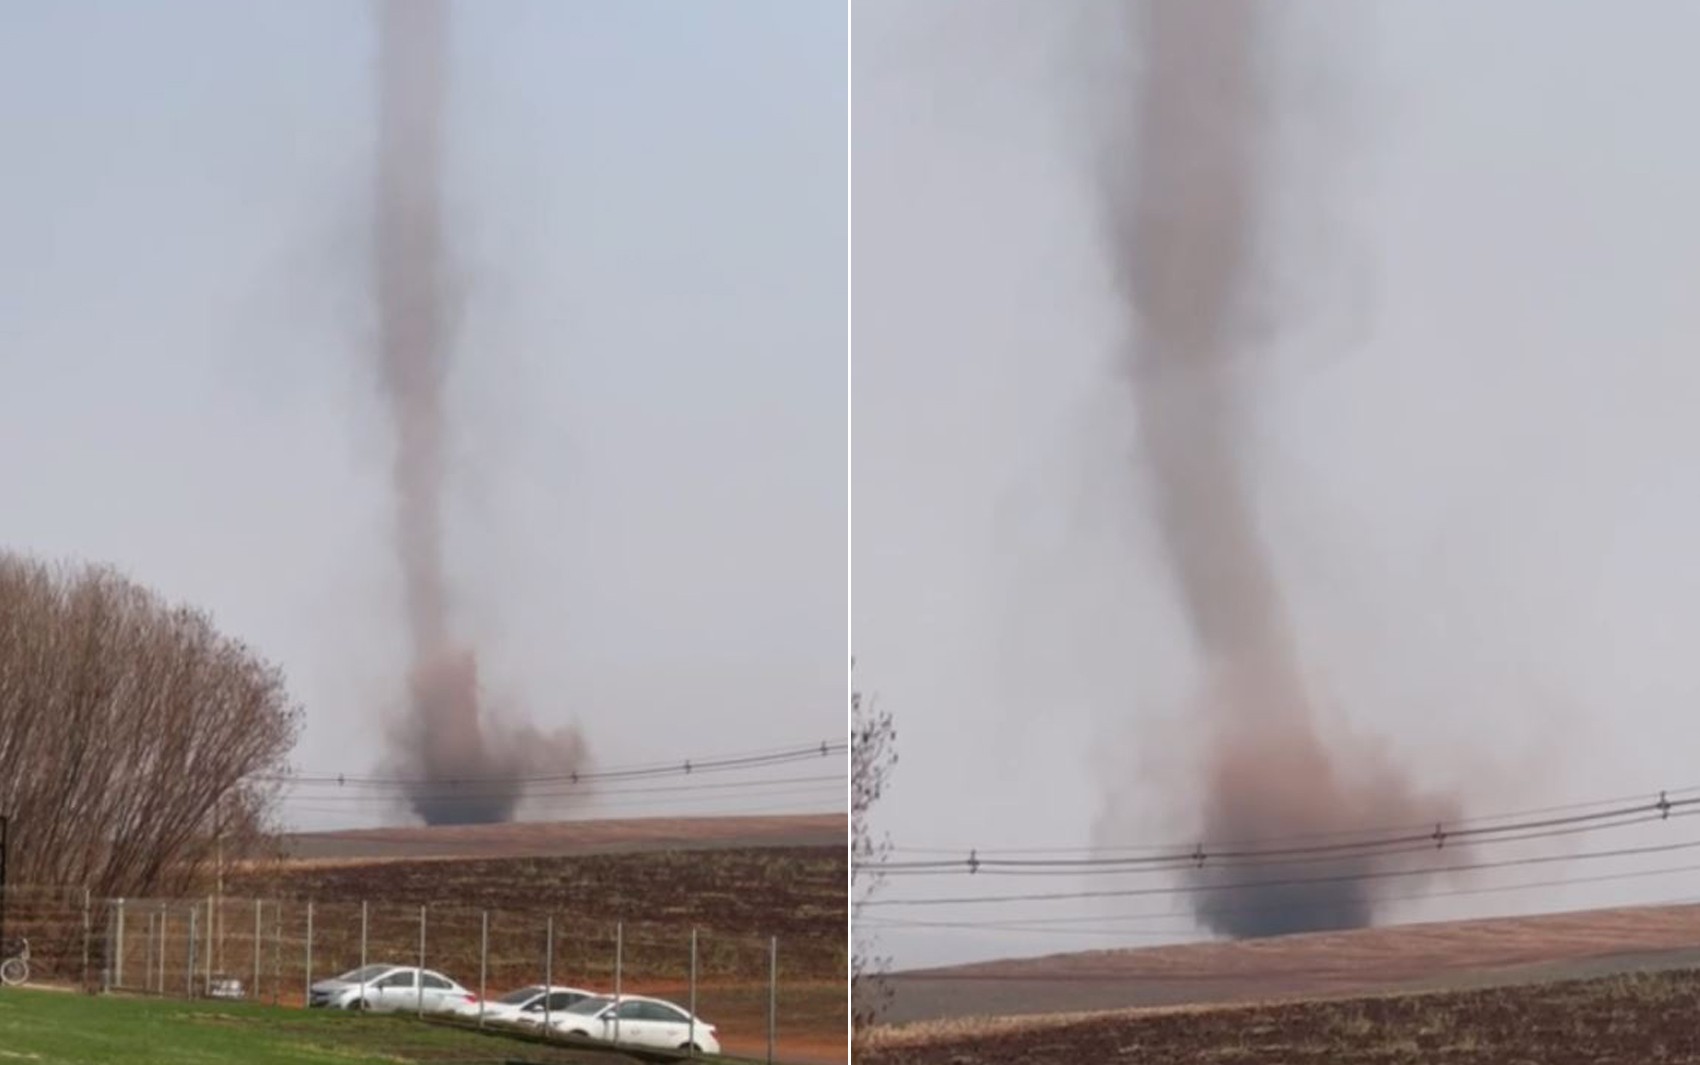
736,881
1631,1019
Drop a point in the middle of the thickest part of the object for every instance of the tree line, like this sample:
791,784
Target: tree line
137,742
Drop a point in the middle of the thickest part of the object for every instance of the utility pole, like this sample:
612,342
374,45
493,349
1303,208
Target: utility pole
215,926
5,832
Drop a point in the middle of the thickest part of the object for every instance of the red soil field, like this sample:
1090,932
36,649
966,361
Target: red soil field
1591,986
1630,1019
738,880
551,838
1410,957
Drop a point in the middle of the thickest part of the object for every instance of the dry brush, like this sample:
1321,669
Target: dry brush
136,740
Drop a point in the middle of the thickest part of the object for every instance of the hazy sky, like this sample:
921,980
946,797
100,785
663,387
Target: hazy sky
1475,420
647,210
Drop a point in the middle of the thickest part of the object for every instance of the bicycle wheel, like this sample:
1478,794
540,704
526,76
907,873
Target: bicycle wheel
14,971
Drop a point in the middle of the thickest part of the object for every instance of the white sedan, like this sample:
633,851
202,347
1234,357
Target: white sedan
633,1020
528,1005
392,987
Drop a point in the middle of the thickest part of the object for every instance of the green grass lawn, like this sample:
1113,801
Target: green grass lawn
63,1028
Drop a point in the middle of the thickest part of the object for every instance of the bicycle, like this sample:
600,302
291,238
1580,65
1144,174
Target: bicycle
16,969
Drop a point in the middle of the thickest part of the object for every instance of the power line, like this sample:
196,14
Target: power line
1171,940
1051,924
1367,852
621,803
764,808
1190,889
1295,837
578,794
816,795
1167,934
681,767
1410,842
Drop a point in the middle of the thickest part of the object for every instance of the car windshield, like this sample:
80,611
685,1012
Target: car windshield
365,975
591,1006
520,997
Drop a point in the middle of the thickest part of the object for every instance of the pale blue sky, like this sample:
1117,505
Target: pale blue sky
1475,429
647,204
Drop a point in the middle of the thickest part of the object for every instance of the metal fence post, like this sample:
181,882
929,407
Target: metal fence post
5,836
88,935
362,952
164,945
106,958
277,950
483,961
548,970
212,942
772,992
189,968
419,983
259,939
307,981
619,954
118,949
148,966
692,1049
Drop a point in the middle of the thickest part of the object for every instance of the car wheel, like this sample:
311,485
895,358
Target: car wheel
359,1004
690,1048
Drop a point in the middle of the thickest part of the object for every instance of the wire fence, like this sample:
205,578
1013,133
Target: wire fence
272,951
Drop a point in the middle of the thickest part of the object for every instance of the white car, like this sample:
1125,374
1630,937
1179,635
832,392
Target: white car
633,1020
388,988
527,1005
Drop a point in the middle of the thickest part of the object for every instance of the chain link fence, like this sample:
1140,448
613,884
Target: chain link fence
271,951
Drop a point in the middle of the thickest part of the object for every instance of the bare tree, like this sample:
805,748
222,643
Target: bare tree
873,754
135,739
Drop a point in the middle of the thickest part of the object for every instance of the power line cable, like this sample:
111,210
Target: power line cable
581,793
1190,889
795,802
1296,837
680,767
823,805
1364,853
1060,924
591,800
1198,856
